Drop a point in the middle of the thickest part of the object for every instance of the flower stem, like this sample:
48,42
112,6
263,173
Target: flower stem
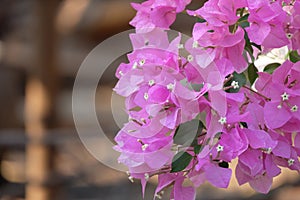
228,79
242,12
259,94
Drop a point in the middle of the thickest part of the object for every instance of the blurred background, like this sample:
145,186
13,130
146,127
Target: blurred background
42,44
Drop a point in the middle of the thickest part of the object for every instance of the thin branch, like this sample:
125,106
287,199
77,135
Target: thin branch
259,94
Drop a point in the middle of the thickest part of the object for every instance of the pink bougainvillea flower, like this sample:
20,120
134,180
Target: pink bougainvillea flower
208,170
181,192
282,89
293,26
264,17
156,38
146,154
156,13
169,86
219,12
257,169
225,44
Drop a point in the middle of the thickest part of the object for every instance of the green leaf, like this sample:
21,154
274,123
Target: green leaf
256,45
240,78
248,47
197,87
201,20
294,56
198,149
244,124
246,55
243,21
192,86
187,132
180,161
244,18
232,28
218,135
270,68
224,164
137,109
252,73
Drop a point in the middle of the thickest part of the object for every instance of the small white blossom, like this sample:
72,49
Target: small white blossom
180,46
294,108
285,96
142,62
135,65
190,58
151,82
219,148
195,44
235,84
289,35
144,147
291,162
146,96
222,120
170,86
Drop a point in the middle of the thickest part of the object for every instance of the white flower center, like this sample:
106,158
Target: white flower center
190,58
285,96
219,148
294,108
142,62
147,176
146,96
195,44
121,73
235,84
222,120
180,46
291,162
144,147
151,82
289,35
170,86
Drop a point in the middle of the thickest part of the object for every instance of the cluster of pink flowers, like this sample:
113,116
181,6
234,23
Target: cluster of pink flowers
195,106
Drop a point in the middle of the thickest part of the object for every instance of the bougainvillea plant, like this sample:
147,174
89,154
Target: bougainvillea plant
191,115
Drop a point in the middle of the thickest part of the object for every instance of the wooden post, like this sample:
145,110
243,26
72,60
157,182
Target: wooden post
41,90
